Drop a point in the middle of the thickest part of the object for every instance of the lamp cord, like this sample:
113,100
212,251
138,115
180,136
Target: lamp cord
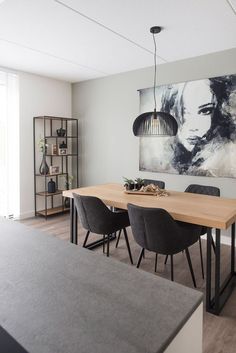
155,72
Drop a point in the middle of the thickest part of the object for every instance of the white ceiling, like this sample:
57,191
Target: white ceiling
76,40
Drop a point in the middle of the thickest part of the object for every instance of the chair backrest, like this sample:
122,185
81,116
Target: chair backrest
203,189
154,229
93,214
159,183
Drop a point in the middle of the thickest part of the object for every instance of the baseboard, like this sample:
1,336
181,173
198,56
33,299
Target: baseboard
225,240
25,215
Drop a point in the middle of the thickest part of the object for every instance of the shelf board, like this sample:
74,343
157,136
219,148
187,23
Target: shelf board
59,155
48,117
53,211
50,175
61,137
45,193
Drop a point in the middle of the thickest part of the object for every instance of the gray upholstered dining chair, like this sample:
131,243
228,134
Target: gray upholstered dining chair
154,229
95,217
160,184
204,190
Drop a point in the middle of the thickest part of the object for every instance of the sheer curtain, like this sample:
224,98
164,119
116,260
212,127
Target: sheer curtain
9,145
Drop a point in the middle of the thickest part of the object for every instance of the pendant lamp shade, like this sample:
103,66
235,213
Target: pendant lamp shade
155,123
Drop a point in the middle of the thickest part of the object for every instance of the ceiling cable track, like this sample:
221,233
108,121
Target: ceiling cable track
53,56
233,8
107,28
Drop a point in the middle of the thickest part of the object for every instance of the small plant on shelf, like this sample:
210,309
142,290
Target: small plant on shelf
68,184
129,184
67,181
139,182
42,145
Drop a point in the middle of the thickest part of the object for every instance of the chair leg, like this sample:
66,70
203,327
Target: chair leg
200,246
166,259
190,266
140,258
172,267
118,238
127,244
156,262
86,238
108,244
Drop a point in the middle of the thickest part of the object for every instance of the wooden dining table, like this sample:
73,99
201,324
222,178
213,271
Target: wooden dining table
209,211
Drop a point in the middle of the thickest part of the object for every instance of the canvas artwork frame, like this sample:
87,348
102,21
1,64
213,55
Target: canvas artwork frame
205,144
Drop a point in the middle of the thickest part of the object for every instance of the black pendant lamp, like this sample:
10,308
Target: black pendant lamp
155,123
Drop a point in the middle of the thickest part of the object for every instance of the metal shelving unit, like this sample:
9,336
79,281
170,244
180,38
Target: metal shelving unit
46,127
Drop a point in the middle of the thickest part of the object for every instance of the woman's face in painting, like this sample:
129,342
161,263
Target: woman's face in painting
198,107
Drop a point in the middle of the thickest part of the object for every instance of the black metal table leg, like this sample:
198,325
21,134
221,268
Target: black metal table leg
72,220
75,225
208,274
217,272
222,291
233,249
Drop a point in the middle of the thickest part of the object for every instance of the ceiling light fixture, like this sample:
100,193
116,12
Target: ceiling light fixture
155,123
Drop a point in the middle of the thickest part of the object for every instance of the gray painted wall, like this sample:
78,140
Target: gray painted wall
107,107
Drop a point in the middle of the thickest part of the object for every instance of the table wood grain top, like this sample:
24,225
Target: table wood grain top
209,211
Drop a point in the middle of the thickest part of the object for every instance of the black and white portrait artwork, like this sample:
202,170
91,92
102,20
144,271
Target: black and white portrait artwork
205,144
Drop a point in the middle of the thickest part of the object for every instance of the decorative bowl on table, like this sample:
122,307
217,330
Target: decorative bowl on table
150,189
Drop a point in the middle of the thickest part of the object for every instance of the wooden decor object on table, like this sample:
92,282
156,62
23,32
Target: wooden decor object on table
150,189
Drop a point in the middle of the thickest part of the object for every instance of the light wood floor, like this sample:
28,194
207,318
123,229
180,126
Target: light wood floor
219,332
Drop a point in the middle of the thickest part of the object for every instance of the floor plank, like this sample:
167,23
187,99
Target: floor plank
219,334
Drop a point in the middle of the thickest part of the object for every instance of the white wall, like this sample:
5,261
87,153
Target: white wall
38,96
107,107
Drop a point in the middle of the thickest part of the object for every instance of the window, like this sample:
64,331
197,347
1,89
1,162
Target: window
9,145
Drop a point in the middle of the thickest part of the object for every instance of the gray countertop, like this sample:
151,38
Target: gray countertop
57,297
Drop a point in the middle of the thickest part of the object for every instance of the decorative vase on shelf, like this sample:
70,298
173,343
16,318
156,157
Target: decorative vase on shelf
44,168
61,132
51,187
